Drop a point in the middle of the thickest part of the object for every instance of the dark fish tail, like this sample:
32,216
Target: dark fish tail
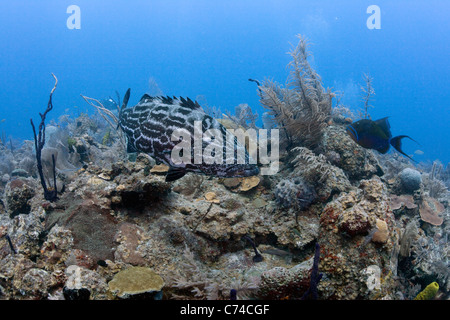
396,142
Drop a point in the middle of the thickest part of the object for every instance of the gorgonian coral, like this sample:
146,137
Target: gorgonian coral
303,107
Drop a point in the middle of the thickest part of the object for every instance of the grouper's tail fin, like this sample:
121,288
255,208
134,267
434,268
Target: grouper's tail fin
124,104
396,142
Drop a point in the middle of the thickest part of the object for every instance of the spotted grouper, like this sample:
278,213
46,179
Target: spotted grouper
158,126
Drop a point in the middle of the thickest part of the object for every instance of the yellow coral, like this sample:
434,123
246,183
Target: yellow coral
429,292
135,280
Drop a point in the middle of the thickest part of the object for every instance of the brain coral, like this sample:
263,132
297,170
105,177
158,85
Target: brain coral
410,179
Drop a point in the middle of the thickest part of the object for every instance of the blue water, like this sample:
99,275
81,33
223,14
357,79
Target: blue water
211,48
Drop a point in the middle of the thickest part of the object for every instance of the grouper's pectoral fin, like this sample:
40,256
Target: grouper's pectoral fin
175,174
130,147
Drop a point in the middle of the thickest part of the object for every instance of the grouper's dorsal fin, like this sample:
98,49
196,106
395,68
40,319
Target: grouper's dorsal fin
166,100
383,123
188,103
146,97
184,102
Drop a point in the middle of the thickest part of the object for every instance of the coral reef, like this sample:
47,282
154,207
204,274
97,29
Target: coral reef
193,234
402,202
18,192
381,235
356,161
281,283
83,282
345,224
368,91
316,170
336,222
241,184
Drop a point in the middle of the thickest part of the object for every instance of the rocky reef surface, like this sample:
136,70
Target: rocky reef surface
119,231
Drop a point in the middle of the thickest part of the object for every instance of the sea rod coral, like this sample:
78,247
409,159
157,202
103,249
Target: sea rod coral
49,192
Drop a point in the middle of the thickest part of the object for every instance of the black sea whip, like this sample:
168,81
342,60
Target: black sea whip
39,141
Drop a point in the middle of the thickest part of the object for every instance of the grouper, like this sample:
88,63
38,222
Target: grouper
157,125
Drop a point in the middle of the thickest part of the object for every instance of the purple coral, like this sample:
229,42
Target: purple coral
311,293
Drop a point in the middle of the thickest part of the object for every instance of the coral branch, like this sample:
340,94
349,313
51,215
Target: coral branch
107,115
39,141
368,93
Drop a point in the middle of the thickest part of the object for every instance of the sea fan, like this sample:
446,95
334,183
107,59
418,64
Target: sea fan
244,116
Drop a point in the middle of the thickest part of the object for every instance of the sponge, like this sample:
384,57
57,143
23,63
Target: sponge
429,292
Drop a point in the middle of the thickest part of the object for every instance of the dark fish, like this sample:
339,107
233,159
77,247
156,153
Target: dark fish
376,135
149,126
277,252
102,263
257,257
